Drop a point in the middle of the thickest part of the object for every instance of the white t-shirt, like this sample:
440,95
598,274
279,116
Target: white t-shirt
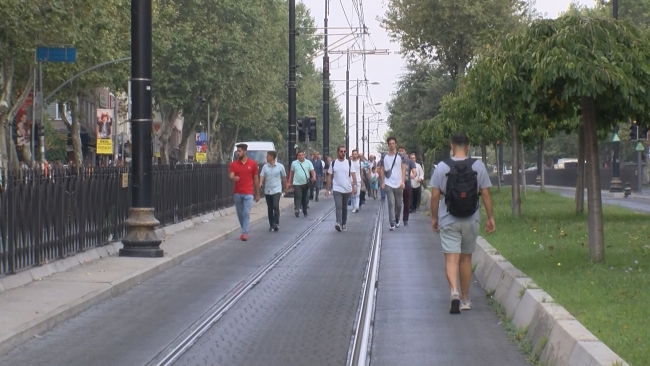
395,180
357,167
342,180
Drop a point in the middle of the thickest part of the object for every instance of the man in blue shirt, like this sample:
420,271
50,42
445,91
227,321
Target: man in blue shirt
300,177
273,180
318,169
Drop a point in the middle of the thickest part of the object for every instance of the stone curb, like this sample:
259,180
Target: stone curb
556,336
49,320
27,276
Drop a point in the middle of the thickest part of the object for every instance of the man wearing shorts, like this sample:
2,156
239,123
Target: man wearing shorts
458,234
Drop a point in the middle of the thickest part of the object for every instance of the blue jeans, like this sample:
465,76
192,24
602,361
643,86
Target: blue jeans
243,204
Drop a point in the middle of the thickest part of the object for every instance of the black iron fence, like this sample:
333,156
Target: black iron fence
47,215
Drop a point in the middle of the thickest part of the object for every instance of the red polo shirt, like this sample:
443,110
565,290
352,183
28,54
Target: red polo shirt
245,171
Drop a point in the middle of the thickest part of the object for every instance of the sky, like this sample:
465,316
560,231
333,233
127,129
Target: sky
382,69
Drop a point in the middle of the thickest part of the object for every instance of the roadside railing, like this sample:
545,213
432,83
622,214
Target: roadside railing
53,214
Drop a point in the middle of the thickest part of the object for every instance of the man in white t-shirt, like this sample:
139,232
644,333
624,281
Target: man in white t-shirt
392,172
342,181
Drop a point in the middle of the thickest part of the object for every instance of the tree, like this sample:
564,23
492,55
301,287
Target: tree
594,65
56,144
450,31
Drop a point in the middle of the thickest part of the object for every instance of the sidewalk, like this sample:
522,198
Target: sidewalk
63,289
605,193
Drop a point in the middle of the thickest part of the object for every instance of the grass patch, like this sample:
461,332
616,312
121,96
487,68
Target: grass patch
549,243
518,336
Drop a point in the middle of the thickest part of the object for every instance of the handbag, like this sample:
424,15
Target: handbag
388,173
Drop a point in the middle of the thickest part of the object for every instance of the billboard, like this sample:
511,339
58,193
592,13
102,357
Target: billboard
24,122
201,147
104,132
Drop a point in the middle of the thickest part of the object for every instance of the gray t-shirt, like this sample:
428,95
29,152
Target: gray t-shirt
439,180
410,165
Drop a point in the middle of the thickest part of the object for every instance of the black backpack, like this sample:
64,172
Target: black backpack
461,192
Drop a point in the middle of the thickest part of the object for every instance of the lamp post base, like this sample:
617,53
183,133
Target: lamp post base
616,185
141,240
538,180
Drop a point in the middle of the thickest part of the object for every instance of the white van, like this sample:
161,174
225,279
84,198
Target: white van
256,150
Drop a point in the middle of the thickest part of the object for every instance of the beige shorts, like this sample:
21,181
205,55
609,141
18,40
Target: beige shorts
459,237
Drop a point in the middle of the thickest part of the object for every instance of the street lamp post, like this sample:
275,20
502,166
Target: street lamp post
141,239
616,184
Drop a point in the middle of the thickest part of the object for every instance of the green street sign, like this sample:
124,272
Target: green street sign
615,137
639,147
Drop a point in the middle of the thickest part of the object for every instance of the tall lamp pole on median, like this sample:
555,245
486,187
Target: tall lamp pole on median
141,239
616,184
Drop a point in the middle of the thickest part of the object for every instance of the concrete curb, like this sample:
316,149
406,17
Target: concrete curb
25,277
49,320
556,336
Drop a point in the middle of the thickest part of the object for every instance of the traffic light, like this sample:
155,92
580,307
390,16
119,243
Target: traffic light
634,132
306,126
643,132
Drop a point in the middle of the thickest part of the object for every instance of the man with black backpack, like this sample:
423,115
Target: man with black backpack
461,180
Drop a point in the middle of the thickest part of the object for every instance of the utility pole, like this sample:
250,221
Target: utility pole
616,185
357,119
363,133
292,82
347,106
141,239
326,89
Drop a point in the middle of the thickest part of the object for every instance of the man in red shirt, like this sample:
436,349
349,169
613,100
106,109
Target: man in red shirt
245,173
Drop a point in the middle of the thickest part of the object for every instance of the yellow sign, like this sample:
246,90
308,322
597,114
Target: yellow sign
104,147
125,180
201,157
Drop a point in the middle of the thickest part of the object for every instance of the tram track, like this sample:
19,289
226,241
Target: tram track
185,340
360,344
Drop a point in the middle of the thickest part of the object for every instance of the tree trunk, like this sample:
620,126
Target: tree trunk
25,155
168,115
542,185
580,184
213,149
499,165
514,138
484,152
8,155
594,201
75,131
523,168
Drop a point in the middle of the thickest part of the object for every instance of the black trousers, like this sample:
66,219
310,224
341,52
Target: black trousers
273,207
417,197
301,197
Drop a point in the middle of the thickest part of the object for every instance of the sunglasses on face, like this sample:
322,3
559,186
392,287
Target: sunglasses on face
341,151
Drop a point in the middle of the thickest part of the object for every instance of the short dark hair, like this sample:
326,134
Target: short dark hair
340,147
300,151
355,150
388,140
272,154
244,147
401,148
460,139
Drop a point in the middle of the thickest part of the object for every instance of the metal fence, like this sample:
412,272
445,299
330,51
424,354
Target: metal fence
47,215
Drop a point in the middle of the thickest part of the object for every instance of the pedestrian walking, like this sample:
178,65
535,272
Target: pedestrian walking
374,183
319,167
357,166
301,177
244,172
460,180
342,182
416,183
273,180
392,170
411,172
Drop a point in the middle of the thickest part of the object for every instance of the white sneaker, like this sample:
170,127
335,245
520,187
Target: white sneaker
465,305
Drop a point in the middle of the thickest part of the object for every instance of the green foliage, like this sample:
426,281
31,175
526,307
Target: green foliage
451,31
56,144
